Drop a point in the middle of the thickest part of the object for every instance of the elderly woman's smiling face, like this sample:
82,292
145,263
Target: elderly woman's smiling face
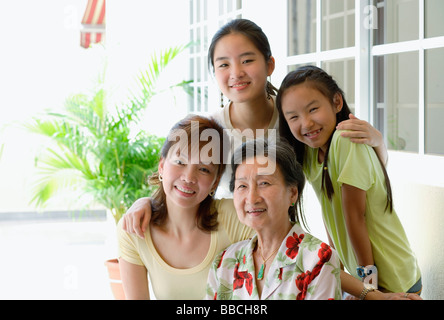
261,196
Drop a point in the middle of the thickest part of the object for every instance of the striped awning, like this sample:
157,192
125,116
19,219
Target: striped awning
93,23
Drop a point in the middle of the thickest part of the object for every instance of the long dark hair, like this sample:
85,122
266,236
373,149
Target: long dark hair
285,160
250,30
324,83
206,215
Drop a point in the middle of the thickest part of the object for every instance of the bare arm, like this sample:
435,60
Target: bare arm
354,287
134,280
138,216
363,132
353,203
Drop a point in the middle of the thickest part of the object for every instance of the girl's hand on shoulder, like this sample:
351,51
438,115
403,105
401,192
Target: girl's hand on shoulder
361,132
137,218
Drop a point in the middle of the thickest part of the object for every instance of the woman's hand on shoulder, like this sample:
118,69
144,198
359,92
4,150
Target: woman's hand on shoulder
360,131
138,216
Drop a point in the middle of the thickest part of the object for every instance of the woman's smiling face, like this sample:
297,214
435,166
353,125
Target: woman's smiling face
261,197
186,184
310,115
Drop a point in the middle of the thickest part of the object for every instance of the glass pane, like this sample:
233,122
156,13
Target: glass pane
295,66
198,39
398,20
221,7
434,18
397,93
198,14
434,113
338,24
205,99
198,70
301,27
191,12
239,4
230,5
343,71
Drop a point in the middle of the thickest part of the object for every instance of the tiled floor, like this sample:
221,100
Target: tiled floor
55,260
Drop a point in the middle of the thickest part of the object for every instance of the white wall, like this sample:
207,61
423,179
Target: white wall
419,204
41,63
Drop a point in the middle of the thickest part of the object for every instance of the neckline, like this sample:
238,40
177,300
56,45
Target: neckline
201,266
229,125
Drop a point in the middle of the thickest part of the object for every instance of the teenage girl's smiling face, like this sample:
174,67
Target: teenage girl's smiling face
240,68
310,115
186,184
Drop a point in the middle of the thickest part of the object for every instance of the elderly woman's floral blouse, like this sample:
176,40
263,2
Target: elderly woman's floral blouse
304,268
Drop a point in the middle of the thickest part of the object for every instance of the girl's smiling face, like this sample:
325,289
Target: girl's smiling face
240,68
310,115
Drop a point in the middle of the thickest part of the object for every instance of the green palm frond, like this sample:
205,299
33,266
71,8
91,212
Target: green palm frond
93,150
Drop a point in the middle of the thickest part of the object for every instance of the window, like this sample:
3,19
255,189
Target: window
398,97
301,27
344,74
395,78
408,68
434,101
206,16
198,101
338,24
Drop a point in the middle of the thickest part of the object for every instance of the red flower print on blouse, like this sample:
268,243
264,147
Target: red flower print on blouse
280,274
304,279
292,244
324,253
242,277
221,258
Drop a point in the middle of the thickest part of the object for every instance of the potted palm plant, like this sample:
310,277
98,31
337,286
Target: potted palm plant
94,150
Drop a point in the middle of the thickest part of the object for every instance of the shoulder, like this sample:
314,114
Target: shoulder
314,249
228,257
338,141
236,247
343,148
218,115
222,116
225,209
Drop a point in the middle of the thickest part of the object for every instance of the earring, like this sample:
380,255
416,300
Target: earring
160,177
221,100
292,204
212,193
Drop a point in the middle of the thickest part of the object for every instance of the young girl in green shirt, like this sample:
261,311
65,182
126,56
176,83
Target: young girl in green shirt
350,181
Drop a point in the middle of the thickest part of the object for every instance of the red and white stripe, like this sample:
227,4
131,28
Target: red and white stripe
93,23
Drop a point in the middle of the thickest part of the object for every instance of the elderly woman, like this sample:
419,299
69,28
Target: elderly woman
281,261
